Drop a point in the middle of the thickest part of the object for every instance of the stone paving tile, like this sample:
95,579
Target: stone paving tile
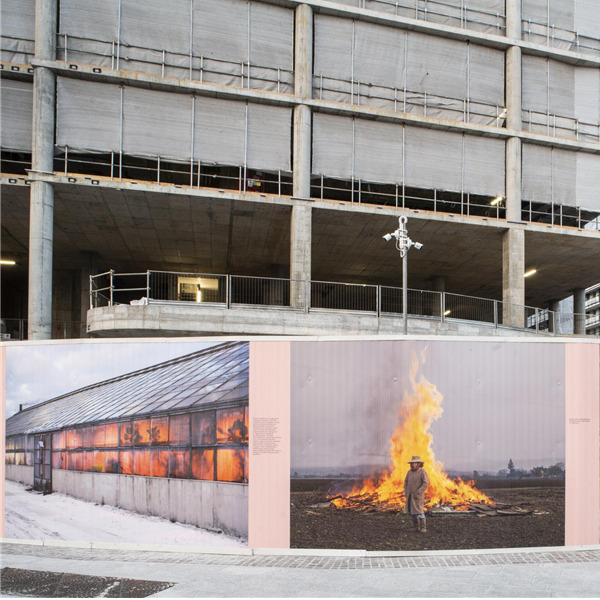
307,562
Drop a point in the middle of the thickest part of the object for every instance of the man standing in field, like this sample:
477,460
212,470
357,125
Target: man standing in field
415,484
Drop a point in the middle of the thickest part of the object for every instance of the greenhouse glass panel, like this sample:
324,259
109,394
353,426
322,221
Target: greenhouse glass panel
75,461
99,458
99,436
111,461
179,430
74,439
88,461
179,464
112,435
126,462
141,432
87,437
58,440
159,431
159,463
203,464
203,428
141,462
126,434
230,465
231,428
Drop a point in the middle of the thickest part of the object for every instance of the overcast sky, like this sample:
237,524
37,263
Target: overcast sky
38,372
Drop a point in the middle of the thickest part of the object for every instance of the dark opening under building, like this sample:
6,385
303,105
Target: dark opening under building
168,440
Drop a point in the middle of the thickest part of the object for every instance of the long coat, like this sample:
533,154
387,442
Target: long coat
415,484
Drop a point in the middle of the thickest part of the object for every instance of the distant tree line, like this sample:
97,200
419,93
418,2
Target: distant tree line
556,471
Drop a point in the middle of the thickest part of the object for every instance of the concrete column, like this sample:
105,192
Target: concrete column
303,59
554,309
513,111
579,311
303,51
42,193
513,282
301,219
300,253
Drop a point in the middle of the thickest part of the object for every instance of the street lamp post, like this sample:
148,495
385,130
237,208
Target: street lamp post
403,245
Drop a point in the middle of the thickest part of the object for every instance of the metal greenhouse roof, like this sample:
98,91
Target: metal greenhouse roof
215,375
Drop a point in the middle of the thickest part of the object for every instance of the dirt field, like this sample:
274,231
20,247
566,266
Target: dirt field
327,527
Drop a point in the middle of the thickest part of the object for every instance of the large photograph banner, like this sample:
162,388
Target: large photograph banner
432,445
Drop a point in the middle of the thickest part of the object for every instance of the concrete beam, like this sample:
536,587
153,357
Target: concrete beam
513,282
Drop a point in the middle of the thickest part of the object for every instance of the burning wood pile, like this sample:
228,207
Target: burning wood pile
419,409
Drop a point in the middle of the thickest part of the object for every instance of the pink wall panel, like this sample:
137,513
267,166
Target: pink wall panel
269,477
582,394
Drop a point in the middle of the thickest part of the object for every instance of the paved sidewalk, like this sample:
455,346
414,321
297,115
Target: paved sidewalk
514,573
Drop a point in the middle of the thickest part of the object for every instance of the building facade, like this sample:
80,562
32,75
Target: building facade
235,152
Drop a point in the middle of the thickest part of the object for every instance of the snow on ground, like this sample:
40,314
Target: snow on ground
30,515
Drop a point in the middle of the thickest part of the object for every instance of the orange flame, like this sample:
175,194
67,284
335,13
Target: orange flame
412,437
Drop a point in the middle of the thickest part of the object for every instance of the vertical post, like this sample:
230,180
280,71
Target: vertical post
111,286
41,216
148,285
228,290
496,314
442,307
405,292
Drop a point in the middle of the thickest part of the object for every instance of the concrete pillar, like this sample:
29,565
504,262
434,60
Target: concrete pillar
579,311
301,219
300,253
513,282
553,319
303,51
303,59
513,111
42,193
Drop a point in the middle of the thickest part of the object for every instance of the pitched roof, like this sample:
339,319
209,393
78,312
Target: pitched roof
213,376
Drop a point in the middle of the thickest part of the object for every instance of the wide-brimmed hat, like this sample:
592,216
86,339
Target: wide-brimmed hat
416,459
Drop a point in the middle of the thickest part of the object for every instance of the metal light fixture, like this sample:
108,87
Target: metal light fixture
403,245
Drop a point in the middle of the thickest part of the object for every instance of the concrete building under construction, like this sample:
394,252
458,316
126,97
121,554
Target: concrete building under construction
214,160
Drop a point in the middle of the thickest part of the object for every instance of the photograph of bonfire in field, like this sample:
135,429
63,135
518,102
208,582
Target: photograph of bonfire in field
469,507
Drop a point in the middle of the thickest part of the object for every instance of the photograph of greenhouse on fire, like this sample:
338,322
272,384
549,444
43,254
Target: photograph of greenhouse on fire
486,419
167,440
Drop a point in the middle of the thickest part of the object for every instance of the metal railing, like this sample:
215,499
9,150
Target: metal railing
231,291
16,329
400,99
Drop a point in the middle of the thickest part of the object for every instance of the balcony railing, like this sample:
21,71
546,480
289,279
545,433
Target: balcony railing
236,291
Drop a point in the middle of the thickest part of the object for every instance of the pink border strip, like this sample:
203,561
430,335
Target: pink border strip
269,471
582,415
2,433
